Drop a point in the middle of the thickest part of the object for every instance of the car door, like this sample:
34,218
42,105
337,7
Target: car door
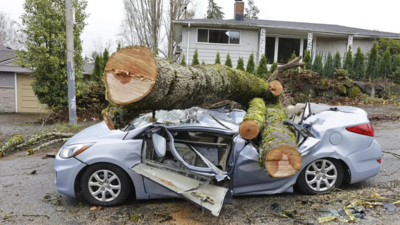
204,185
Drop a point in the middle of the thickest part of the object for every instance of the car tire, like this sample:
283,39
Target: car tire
97,190
314,179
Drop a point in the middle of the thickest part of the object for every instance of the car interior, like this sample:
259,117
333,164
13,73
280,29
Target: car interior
189,145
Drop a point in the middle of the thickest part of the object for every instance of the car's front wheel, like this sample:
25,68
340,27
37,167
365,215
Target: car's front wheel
105,185
320,176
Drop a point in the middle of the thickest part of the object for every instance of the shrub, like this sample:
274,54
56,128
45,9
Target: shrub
328,67
317,65
262,70
228,61
273,67
240,64
384,68
195,60
183,61
218,60
307,59
395,76
203,63
372,61
348,61
396,63
337,62
250,64
359,65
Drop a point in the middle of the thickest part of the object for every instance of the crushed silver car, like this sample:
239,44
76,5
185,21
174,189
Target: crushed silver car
197,154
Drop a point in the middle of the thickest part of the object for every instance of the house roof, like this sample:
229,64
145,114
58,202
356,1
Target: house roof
311,27
88,68
6,53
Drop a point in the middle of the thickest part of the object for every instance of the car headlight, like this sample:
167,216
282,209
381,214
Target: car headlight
74,150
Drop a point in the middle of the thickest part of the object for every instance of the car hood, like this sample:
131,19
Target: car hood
94,133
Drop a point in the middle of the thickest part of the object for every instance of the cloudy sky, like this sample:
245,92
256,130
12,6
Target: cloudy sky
106,15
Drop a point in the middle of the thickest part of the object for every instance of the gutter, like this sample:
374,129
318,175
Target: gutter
289,28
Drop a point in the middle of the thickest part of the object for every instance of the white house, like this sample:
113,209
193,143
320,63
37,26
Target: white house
276,39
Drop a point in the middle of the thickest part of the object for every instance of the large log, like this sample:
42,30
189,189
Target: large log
254,120
278,149
136,81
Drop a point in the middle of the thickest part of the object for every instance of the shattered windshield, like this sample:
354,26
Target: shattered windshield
222,118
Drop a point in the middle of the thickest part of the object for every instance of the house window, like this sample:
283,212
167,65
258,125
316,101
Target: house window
218,36
270,49
286,48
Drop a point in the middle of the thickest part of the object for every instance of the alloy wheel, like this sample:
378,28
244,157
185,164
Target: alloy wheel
104,185
321,175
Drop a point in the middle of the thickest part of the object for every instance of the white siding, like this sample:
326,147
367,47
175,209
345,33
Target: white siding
331,44
207,52
365,44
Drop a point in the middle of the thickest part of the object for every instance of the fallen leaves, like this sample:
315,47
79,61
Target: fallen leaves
96,208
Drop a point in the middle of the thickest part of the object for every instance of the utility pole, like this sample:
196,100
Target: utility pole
70,21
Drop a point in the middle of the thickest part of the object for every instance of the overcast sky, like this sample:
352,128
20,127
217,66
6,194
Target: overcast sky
106,15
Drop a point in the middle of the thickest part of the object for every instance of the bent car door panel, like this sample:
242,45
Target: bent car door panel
208,196
187,174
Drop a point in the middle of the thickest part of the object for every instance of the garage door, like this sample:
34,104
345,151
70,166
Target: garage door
27,100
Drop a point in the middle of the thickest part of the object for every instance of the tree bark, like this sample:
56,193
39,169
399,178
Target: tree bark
254,120
136,81
278,72
278,150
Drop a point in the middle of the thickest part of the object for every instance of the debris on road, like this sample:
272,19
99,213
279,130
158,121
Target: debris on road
36,215
33,172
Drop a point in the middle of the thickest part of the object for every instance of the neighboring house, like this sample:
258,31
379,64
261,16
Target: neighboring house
16,95
276,39
87,71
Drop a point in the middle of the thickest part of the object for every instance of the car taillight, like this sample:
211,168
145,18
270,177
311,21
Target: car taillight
379,160
364,129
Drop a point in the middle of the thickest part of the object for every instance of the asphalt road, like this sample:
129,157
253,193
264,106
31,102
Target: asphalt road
27,198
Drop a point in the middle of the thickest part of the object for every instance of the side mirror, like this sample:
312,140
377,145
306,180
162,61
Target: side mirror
160,145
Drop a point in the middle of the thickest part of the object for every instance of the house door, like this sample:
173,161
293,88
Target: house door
27,100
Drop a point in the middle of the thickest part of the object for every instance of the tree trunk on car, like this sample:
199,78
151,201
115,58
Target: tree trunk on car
278,149
136,81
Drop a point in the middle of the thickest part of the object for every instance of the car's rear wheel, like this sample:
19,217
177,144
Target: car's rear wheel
320,176
105,185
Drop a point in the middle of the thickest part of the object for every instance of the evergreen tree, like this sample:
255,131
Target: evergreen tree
252,11
119,46
372,61
384,68
328,67
293,56
359,65
183,61
337,62
214,11
262,70
307,59
44,49
195,60
104,60
348,62
203,63
396,63
250,64
218,59
273,67
240,64
97,69
318,66
228,61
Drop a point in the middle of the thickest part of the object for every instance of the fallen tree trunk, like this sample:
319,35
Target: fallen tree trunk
278,149
254,120
136,80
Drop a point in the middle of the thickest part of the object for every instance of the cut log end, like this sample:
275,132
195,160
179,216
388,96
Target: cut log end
108,121
283,161
276,88
130,74
249,129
